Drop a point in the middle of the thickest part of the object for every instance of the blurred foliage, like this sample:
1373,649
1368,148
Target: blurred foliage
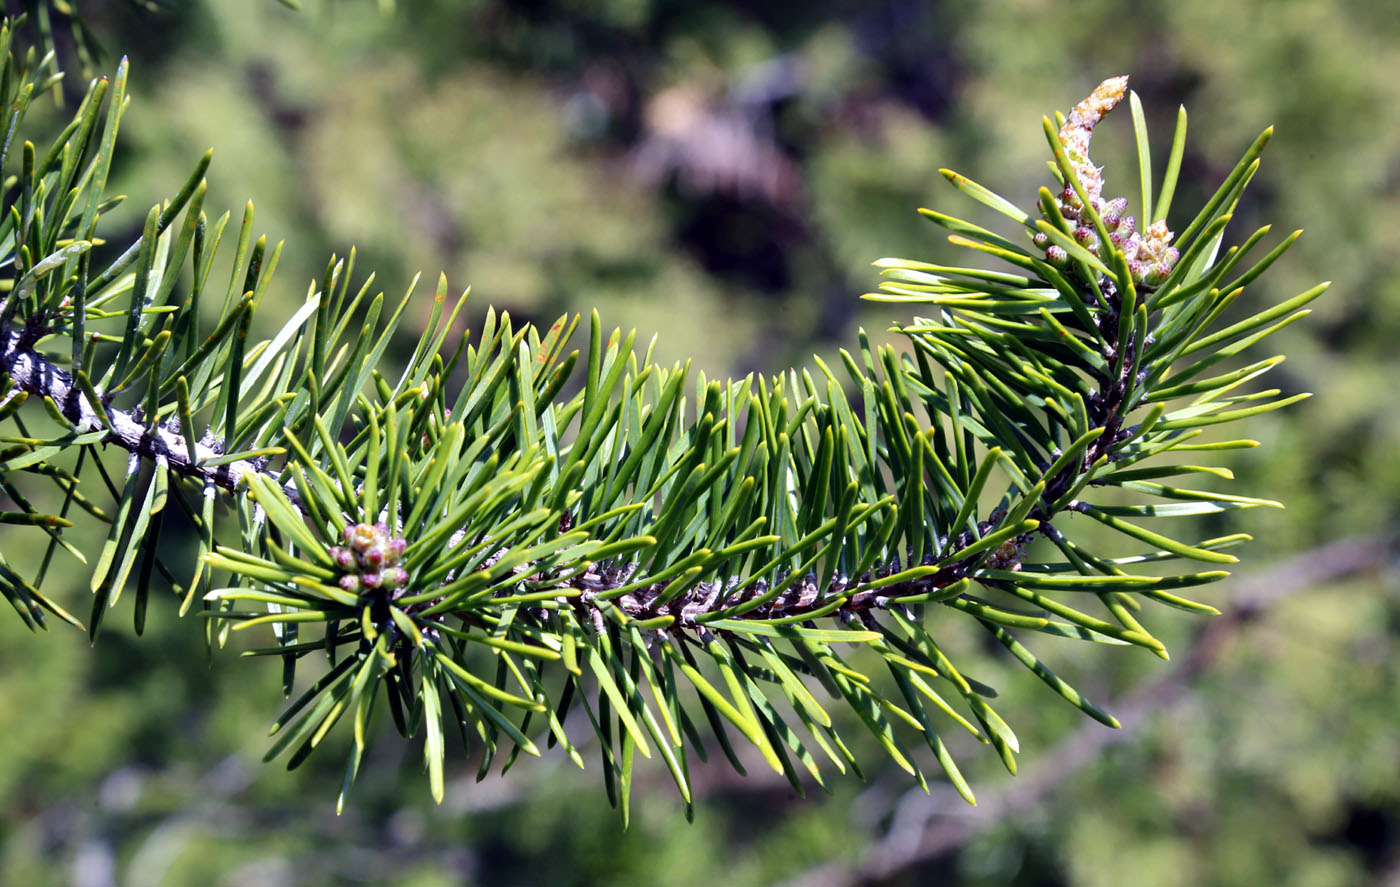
508,144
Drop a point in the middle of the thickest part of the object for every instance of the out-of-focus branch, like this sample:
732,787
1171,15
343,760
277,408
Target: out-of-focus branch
726,143
926,827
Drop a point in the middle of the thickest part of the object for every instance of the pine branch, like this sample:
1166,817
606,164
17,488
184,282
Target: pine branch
32,373
470,545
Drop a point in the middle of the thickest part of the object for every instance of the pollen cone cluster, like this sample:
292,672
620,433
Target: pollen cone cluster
370,558
1149,253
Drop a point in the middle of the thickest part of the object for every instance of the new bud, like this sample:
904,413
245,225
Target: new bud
1085,236
364,537
1113,212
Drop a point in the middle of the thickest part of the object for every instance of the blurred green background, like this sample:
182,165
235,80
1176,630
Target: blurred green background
723,175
